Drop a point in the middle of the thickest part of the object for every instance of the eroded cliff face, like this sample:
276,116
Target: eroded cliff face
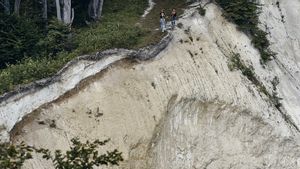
282,22
185,108
196,134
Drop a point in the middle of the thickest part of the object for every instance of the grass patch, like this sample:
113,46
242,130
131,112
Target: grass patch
151,25
111,35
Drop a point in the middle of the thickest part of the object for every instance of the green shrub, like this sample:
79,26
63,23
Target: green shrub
13,156
80,156
108,35
201,10
244,13
235,63
261,42
30,70
18,39
58,39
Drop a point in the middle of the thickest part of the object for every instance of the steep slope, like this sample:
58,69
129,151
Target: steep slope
282,22
184,108
210,135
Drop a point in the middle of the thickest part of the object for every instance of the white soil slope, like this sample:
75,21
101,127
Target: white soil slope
185,108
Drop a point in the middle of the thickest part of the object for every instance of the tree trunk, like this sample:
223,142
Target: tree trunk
95,9
17,7
100,6
45,10
91,9
66,11
7,7
58,13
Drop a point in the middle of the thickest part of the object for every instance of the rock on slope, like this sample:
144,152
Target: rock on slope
185,108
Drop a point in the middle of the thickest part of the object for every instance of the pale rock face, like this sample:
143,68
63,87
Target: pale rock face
283,24
185,109
212,135
13,109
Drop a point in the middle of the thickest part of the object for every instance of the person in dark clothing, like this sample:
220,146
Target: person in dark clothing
173,18
162,20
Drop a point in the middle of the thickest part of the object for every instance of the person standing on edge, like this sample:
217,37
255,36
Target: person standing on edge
173,18
162,20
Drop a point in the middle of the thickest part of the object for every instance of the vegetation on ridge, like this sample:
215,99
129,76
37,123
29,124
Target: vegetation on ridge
30,51
245,14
